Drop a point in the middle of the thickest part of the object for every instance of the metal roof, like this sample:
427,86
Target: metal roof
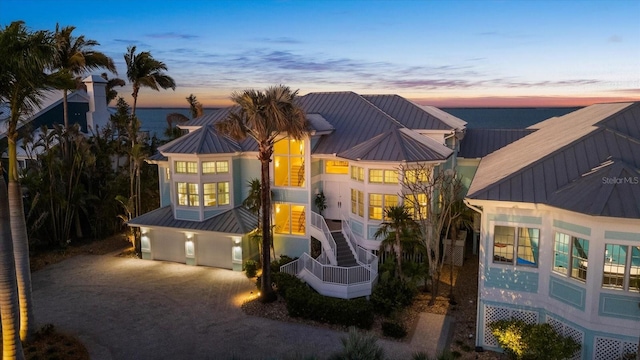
478,143
398,145
233,221
414,116
205,140
564,151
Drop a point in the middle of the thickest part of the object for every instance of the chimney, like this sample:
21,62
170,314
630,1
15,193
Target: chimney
98,115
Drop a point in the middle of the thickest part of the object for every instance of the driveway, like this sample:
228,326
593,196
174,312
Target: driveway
123,308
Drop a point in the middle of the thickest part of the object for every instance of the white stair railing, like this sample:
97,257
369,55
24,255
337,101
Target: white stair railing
363,256
320,231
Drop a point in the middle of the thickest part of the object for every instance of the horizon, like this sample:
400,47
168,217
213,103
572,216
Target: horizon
446,54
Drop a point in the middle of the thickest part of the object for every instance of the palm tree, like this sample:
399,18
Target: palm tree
25,58
145,71
264,116
111,83
195,107
398,223
75,56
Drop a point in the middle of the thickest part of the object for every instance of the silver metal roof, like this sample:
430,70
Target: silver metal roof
561,155
478,143
233,221
205,140
398,145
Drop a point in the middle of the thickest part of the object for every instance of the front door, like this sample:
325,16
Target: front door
338,198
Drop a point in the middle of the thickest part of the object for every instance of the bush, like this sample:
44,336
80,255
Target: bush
286,281
394,329
524,341
250,268
275,265
392,294
359,346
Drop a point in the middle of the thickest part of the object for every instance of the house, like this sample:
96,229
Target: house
560,230
357,144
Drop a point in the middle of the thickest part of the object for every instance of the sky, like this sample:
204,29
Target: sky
444,53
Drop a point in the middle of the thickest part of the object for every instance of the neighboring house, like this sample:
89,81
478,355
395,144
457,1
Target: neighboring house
357,144
86,108
560,230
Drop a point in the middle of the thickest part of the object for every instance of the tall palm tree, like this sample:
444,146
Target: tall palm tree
111,83
263,116
75,56
195,106
145,71
398,222
26,57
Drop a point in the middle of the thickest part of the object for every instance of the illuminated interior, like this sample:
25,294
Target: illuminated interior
290,219
288,163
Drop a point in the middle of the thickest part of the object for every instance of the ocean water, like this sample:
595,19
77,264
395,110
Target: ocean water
154,120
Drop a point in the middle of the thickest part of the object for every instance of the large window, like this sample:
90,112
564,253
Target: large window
288,161
412,176
357,173
379,202
379,176
216,194
515,243
570,256
336,167
188,194
186,167
357,202
417,205
215,167
290,219
621,267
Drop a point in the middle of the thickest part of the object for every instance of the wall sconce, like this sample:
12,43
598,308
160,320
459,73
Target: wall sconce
145,241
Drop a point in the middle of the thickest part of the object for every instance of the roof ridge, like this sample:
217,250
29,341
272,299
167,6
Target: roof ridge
394,120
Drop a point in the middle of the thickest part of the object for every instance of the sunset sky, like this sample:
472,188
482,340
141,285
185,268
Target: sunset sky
443,53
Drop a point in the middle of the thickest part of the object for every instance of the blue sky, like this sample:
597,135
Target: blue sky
445,53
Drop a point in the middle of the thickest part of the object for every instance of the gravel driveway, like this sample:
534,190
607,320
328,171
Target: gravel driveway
123,308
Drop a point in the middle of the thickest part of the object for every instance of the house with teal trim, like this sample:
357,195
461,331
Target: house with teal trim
357,144
560,230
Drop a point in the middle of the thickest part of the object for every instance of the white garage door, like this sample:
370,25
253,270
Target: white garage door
214,251
168,246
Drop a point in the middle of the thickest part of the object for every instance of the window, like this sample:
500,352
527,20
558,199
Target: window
416,176
288,162
378,176
621,267
167,174
336,167
357,173
290,219
417,205
188,194
216,193
186,167
215,167
357,202
570,256
379,202
518,243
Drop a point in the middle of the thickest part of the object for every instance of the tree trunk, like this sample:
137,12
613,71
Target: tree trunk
20,245
398,249
9,311
267,293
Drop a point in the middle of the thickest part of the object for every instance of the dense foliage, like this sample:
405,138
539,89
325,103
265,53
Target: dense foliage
524,341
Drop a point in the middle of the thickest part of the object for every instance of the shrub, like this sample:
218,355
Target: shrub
524,341
286,281
250,268
275,265
394,329
392,294
359,346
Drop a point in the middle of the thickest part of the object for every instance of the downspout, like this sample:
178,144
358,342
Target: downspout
478,347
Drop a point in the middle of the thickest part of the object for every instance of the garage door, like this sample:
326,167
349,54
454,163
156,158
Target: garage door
168,246
214,251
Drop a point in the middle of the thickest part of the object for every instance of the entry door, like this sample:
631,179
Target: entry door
338,199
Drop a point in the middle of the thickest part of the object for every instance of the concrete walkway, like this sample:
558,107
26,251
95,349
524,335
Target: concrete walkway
123,308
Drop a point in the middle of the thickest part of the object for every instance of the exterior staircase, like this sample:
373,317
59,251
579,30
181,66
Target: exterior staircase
344,254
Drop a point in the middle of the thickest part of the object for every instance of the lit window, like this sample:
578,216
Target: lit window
570,256
375,176
288,162
379,176
417,205
519,243
357,173
621,267
416,176
216,193
290,219
215,167
357,202
223,193
187,194
222,167
336,167
209,193
375,206
167,174
186,167
390,176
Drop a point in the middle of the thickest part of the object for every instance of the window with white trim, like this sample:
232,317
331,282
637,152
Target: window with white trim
188,194
357,173
186,167
288,163
357,202
515,245
412,176
336,167
570,256
621,267
216,194
382,176
215,167
379,202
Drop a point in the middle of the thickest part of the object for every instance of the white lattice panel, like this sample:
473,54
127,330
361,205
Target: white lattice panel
495,313
557,325
629,348
567,331
612,349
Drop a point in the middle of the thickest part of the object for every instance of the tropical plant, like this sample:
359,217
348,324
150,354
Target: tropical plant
359,346
522,341
398,224
74,57
320,202
26,56
111,84
195,107
264,116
